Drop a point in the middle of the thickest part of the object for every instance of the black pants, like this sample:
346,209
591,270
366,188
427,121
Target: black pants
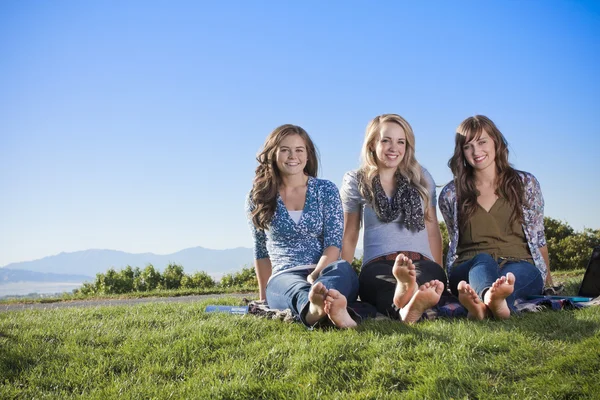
377,284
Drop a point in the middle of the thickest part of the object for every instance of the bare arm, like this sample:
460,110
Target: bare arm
350,239
330,255
263,269
435,236
544,251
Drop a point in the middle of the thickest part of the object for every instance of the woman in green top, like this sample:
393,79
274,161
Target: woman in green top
494,215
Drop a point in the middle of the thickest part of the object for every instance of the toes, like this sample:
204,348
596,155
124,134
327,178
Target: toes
510,278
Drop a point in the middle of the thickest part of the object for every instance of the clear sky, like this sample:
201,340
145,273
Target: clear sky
134,125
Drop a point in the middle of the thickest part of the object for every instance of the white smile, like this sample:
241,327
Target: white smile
392,156
479,159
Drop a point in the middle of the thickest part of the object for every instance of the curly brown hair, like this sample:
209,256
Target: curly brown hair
268,178
508,182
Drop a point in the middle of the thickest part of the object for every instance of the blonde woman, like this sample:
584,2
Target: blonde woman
296,222
394,199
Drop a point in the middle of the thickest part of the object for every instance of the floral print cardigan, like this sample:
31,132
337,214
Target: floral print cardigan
533,220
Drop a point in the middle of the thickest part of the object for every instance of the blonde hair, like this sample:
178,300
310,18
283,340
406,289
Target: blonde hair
409,166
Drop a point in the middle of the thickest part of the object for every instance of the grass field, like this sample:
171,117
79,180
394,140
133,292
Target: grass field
179,351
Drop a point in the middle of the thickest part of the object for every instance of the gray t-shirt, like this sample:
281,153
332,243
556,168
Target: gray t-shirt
381,238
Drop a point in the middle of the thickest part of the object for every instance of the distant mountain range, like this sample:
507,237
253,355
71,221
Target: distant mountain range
84,265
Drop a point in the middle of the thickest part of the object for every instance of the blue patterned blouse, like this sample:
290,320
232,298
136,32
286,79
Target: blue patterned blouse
533,216
288,244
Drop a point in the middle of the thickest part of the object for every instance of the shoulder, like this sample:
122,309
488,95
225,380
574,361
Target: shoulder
528,178
427,176
322,185
448,190
350,179
249,204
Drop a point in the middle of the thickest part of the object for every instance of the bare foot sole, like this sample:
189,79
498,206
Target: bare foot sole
406,282
495,297
316,309
470,300
426,297
335,307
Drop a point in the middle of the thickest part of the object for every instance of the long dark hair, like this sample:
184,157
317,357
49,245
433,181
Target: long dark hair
268,178
508,182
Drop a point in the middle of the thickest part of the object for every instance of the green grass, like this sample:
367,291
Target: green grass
132,295
175,350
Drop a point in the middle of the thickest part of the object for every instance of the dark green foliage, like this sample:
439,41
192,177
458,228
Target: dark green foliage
199,279
357,264
445,240
246,277
172,276
569,249
149,279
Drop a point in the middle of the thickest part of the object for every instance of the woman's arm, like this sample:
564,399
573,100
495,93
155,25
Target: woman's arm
350,238
333,228
263,269
330,254
435,236
262,262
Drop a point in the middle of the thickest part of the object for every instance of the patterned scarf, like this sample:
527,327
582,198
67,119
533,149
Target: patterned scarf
406,200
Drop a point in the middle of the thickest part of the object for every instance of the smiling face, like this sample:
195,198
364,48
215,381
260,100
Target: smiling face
291,155
390,146
480,152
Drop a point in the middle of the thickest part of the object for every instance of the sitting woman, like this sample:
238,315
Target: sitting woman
297,223
395,198
495,220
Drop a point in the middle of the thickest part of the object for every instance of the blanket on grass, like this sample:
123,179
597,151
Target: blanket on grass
449,310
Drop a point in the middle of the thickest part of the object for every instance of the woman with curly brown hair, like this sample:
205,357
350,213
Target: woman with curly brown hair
495,219
297,223
393,197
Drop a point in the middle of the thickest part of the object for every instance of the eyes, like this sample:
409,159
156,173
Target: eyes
386,140
287,150
480,142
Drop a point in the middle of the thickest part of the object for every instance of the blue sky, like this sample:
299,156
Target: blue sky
134,125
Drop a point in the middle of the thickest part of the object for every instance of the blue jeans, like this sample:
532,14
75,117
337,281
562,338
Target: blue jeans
290,289
482,271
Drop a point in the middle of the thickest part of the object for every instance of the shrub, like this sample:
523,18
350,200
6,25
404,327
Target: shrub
172,276
245,277
199,280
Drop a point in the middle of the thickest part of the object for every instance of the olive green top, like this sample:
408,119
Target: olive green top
491,232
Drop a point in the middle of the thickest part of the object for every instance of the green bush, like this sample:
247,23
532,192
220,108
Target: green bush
172,276
198,280
245,277
149,279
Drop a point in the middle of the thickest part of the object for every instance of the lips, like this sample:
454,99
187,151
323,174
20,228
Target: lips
479,159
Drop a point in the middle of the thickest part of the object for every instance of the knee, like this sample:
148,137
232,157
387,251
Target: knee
342,266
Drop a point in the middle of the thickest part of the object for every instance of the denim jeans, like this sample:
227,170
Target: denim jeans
290,289
482,271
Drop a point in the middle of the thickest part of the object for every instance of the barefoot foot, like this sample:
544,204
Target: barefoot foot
495,297
426,297
316,309
470,300
335,307
406,282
